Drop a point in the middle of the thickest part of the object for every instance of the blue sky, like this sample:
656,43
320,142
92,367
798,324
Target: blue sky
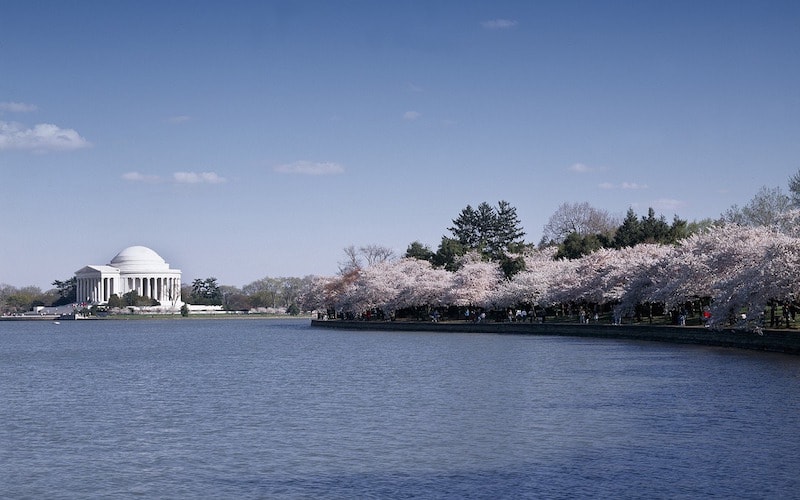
249,139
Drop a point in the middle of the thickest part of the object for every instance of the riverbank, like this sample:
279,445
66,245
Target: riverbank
784,341
146,316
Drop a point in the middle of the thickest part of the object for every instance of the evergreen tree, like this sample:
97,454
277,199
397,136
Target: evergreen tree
679,230
449,250
507,229
465,228
114,302
206,292
576,245
630,232
490,231
654,229
67,291
417,250
512,266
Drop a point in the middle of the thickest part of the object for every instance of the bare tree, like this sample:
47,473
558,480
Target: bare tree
366,256
765,209
579,218
375,254
351,262
794,189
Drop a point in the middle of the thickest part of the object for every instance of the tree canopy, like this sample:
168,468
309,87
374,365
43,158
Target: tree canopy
488,230
206,292
495,233
705,268
764,209
581,219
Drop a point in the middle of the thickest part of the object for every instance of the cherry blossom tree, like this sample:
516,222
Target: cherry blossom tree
754,267
419,284
683,275
612,276
789,222
475,282
737,269
535,286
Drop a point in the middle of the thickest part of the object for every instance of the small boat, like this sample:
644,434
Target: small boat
56,322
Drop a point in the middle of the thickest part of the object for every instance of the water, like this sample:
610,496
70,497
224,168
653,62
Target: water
275,409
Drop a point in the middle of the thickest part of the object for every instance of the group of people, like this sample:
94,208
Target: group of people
474,316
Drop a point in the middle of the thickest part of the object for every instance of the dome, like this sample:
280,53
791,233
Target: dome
138,258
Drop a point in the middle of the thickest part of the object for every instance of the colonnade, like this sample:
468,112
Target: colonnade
99,289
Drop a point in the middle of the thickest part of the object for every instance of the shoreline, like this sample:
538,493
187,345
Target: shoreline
781,341
146,316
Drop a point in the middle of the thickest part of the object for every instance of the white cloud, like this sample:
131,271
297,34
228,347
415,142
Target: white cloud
411,115
17,107
179,119
624,185
197,178
580,168
499,24
139,177
40,138
667,204
310,168
177,177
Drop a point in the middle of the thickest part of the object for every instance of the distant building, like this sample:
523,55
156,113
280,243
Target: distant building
136,268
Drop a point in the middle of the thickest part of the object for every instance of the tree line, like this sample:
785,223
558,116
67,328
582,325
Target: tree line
267,294
495,233
725,275
484,263
487,233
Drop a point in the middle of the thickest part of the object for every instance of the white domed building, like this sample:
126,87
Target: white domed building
135,268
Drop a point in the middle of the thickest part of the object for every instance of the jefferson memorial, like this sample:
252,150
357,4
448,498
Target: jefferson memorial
136,268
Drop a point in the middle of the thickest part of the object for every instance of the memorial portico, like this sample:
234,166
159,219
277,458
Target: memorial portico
135,269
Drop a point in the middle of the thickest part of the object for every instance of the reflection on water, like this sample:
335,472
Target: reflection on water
265,408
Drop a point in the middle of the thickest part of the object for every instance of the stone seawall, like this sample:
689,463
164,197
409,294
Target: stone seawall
773,340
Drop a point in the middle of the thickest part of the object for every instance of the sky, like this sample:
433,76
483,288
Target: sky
242,139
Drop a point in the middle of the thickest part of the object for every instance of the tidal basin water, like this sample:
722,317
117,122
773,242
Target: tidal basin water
275,409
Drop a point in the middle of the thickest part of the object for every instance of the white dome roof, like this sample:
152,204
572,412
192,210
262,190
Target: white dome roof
139,258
